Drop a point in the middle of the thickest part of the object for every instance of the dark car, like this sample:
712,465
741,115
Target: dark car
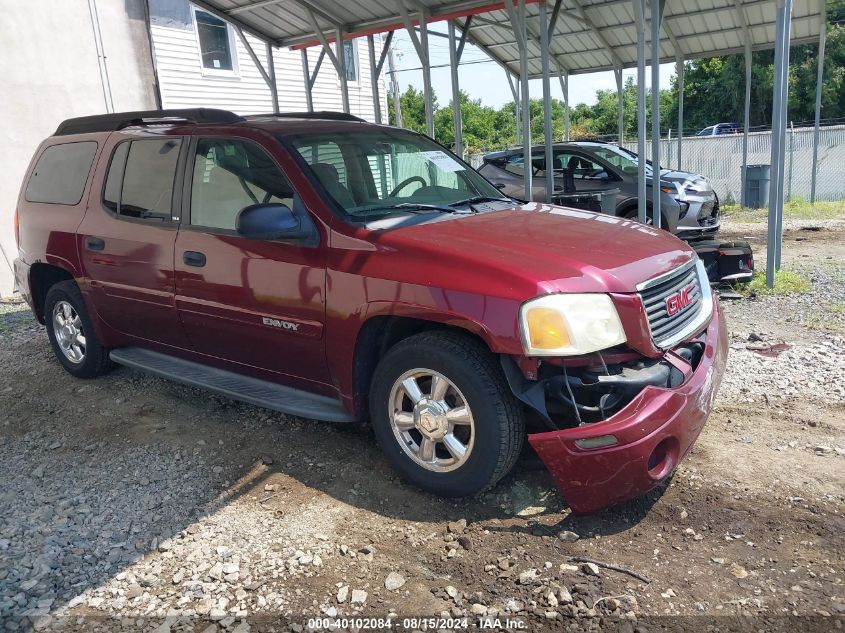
338,270
720,129
688,204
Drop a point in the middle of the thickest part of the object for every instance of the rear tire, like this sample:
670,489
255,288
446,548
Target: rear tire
72,334
464,431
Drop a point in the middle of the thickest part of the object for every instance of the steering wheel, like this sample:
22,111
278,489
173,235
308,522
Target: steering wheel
405,183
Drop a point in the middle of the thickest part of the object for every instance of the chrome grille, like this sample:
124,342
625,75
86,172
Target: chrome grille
664,327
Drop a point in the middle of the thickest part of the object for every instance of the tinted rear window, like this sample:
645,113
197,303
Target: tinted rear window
61,172
139,183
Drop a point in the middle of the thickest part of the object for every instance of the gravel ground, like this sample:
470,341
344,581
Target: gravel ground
133,503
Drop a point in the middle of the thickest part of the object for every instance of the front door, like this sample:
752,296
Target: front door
257,303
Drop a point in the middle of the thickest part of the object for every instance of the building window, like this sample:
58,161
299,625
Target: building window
217,43
350,58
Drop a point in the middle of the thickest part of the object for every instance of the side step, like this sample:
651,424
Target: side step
253,390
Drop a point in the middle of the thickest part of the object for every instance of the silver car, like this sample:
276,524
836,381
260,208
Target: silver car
585,172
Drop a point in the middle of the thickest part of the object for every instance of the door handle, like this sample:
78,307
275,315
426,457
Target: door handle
193,258
94,243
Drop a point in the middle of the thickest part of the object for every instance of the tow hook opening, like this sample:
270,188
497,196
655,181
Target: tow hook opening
663,458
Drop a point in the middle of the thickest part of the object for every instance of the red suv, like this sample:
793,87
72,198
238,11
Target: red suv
329,268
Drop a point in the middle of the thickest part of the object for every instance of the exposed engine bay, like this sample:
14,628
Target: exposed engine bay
578,391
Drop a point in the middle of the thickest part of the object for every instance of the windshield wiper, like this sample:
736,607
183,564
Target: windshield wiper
477,199
410,207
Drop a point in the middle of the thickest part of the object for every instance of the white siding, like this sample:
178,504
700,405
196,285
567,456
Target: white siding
183,84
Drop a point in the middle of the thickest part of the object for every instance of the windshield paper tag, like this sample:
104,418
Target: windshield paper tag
443,160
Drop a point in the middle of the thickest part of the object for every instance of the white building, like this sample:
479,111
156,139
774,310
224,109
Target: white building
202,61
61,60
68,59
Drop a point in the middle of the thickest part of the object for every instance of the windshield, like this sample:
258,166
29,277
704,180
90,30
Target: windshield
381,171
621,158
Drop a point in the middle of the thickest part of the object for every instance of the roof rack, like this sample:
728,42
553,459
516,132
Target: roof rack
119,120
326,115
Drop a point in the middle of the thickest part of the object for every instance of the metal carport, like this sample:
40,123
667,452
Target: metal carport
533,39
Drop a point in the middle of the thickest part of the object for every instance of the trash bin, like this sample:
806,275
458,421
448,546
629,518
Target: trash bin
756,186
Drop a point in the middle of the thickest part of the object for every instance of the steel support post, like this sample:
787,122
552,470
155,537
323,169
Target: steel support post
819,79
784,89
306,74
426,64
340,54
271,79
563,77
747,120
371,47
639,13
515,94
454,60
548,139
656,18
779,94
518,22
620,97
679,71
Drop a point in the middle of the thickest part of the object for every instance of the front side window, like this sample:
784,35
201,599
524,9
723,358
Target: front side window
375,172
216,43
139,183
61,172
350,57
229,175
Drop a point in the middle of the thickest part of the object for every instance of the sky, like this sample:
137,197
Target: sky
486,81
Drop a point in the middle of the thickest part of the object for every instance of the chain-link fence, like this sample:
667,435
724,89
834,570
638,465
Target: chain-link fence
719,158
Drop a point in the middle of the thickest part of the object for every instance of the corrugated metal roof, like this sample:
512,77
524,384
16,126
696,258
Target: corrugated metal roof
589,35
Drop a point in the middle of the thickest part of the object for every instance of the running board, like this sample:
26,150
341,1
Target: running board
252,390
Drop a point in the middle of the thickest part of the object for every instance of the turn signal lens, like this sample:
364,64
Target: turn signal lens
547,329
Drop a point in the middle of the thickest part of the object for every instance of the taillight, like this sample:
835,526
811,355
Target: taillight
17,228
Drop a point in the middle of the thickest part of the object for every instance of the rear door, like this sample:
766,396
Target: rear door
126,239
257,303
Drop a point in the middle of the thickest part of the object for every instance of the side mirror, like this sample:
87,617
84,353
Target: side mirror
273,222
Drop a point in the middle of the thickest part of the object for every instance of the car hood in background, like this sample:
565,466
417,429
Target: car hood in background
687,180
534,249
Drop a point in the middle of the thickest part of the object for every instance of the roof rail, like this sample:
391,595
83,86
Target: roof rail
326,115
119,120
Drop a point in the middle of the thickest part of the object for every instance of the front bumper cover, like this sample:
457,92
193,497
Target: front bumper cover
653,432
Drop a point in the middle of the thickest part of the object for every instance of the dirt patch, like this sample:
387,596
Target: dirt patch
133,498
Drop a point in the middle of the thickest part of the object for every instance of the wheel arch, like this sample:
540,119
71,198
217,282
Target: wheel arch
380,332
42,277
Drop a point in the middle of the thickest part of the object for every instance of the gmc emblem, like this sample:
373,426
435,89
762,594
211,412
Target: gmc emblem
678,301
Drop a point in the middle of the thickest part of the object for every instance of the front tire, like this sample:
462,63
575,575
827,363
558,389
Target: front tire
72,334
634,214
443,414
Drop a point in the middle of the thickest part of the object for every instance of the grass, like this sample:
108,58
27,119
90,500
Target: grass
786,282
794,209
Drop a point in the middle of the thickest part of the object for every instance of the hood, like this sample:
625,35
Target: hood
687,180
536,249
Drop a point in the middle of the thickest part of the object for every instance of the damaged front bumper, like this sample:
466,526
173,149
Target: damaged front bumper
596,465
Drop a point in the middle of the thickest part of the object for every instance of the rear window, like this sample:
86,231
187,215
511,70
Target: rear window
61,172
139,183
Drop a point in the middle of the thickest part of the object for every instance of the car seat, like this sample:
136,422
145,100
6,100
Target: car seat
330,179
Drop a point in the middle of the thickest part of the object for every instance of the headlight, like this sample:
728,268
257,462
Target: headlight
569,324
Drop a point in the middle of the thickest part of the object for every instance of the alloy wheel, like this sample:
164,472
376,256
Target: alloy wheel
67,326
431,420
